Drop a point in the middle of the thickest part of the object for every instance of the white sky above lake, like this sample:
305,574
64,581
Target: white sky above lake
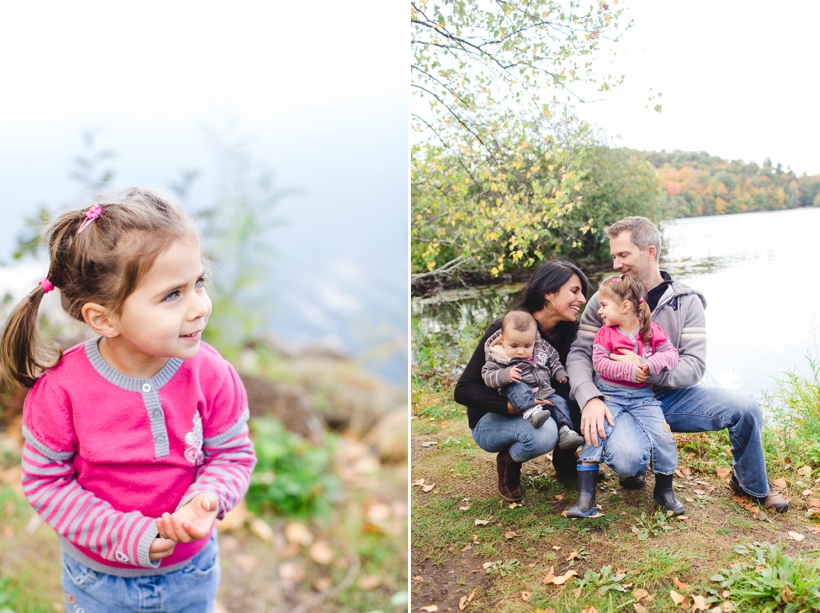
738,80
318,89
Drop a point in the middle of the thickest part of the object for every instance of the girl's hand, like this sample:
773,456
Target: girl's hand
625,357
515,374
190,522
642,374
160,548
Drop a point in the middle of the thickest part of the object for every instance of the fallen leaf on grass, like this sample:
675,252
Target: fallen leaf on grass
639,608
700,492
807,492
465,600
814,502
467,547
418,578
556,547
550,576
515,504
428,488
481,522
685,470
525,596
562,579
786,594
577,592
547,610
796,536
699,603
676,598
572,556
780,483
321,552
487,565
559,496
429,443
445,424
418,482
814,530
803,471
722,472
510,535
589,609
728,606
640,593
465,508
430,608
688,499
679,584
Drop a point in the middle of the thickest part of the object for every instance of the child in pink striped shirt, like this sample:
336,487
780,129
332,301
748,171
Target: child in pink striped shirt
627,350
135,441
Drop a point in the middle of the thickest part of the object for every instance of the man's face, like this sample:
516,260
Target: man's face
627,258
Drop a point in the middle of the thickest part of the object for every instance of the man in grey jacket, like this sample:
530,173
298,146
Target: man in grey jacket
635,245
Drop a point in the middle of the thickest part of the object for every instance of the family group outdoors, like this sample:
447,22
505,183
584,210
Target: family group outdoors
617,384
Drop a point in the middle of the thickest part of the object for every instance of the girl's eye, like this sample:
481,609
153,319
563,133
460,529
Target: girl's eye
172,296
200,282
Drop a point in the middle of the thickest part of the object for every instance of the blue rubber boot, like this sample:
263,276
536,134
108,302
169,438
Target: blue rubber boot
664,495
587,483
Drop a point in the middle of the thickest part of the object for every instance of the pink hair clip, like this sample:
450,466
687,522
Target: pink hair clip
46,285
615,279
90,215
640,300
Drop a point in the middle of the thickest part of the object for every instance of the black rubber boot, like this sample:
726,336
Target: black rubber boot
565,463
665,496
587,483
636,482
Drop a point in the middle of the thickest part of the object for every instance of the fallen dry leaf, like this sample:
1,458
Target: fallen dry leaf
786,594
481,522
465,600
796,536
803,471
689,499
487,565
814,502
429,443
429,608
577,592
679,584
639,608
700,492
685,470
556,547
445,424
806,492
298,534
321,552
559,496
780,483
418,482
467,547
550,576
640,593
699,603
510,535
572,556
418,578
728,606
676,598
428,488
589,609
722,472
465,508
525,596
515,504
815,530
260,528
561,580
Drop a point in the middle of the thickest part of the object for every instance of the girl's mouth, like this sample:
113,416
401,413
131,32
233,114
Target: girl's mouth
192,336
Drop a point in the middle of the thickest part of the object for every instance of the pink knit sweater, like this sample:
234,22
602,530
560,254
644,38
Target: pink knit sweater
106,454
660,354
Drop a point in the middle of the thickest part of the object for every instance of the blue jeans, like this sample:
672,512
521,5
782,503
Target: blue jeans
521,398
639,419
191,589
701,408
496,433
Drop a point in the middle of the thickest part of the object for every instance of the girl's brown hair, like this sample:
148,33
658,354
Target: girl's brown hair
625,288
104,264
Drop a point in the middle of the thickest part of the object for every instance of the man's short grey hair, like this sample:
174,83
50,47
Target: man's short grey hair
643,232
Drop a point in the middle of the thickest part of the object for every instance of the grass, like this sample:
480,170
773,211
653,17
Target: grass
472,551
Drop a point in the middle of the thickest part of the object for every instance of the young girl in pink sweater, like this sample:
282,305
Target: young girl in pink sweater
643,349
137,440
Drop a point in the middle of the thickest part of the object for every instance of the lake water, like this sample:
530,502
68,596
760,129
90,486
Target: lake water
762,309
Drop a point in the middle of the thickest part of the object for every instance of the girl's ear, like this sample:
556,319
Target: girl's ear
99,319
626,306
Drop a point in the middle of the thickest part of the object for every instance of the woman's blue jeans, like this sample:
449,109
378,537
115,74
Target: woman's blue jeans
638,413
191,589
495,433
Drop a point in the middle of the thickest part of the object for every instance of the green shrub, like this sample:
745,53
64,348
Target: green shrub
292,478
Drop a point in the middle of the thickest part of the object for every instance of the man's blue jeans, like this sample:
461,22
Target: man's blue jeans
496,433
701,408
521,398
635,409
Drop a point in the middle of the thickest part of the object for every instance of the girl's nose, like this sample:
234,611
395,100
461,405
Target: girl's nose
200,306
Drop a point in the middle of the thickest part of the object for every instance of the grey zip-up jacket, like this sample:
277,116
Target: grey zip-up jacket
545,365
680,312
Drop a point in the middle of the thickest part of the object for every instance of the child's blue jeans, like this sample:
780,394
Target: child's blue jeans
642,405
521,398
191,589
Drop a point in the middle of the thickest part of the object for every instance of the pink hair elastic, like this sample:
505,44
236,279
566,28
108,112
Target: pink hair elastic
640,300
90,215
615,279
46,285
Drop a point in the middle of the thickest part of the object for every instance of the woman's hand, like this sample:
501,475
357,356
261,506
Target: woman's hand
592,421
160,548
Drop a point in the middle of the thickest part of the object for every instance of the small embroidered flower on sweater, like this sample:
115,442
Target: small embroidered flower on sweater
193,440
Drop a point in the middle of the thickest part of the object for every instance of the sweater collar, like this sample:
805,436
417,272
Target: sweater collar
112,375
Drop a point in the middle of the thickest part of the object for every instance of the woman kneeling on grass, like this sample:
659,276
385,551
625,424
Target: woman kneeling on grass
554,296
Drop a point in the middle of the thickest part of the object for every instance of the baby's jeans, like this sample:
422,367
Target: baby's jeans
638,407
521,398
191,589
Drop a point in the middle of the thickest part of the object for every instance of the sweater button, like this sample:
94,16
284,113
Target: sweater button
146,387
157,413
160,439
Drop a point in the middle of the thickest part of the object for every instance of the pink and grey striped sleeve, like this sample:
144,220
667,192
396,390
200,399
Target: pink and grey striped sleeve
665,356
229,455
610,369
51,488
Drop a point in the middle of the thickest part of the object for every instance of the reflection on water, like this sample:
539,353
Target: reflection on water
762,312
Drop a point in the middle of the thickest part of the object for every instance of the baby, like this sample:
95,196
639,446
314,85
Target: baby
519,364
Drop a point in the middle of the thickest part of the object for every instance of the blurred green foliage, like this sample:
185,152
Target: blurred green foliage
293,478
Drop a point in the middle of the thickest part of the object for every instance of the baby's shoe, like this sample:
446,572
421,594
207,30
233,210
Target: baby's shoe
569,439
537,416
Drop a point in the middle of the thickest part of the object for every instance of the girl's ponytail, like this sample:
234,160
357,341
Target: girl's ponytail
22,353
645,315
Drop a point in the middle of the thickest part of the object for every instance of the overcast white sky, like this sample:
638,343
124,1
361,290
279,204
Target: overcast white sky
739,80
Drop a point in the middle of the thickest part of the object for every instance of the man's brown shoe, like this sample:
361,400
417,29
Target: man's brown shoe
509,477
772,500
